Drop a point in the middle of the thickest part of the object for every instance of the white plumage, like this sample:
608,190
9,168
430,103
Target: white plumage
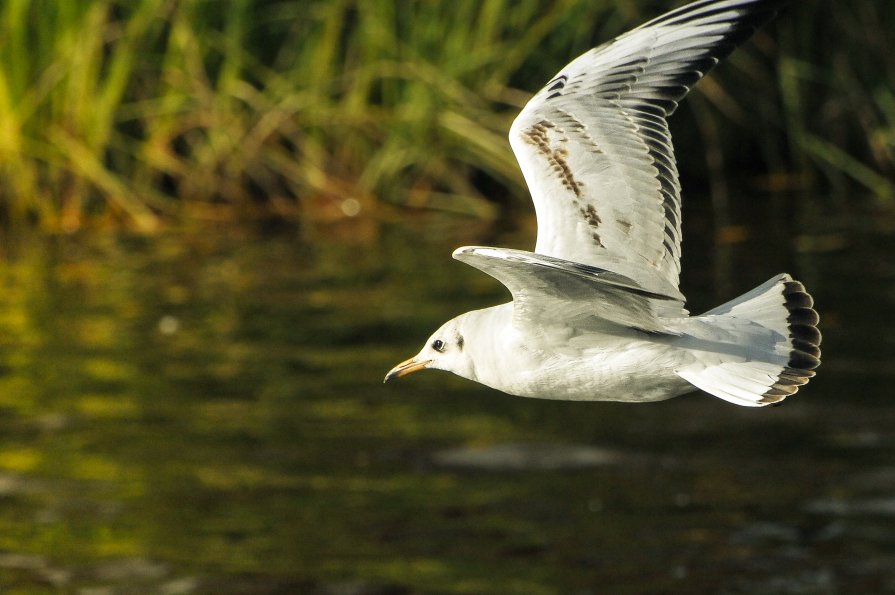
596,311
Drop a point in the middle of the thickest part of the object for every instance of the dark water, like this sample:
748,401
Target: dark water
202,412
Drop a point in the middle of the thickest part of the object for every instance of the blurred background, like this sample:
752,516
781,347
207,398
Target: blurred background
221,223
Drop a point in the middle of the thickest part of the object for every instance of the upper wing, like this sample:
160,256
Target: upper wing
549,290
594,144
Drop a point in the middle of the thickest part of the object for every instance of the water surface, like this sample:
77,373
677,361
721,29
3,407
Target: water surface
202,412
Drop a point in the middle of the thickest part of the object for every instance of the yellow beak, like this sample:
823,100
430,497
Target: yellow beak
406,367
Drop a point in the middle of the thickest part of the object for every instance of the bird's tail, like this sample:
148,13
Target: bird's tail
757,349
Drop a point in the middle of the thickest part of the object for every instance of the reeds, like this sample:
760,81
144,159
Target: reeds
837,72
144,111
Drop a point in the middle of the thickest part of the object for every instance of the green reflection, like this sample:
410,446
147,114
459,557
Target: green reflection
205,413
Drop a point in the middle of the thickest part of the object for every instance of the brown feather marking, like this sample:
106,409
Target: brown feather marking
590,216
557,158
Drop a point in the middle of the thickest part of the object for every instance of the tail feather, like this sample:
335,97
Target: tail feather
757,349
804,337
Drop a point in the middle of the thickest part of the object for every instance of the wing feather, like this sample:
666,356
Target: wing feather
550,291
595,148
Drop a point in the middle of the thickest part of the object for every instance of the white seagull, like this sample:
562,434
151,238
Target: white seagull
596,313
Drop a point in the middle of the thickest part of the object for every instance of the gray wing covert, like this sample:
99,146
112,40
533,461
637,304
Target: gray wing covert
548,291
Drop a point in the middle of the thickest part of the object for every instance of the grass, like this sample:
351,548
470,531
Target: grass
139,113
838,95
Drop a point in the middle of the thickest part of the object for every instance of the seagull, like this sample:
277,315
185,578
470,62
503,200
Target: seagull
596,313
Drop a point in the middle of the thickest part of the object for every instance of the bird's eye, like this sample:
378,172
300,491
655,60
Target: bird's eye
438,345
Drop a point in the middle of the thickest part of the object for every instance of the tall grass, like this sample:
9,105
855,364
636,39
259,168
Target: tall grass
139,112
838,76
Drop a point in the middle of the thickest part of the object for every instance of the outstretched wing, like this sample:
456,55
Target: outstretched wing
548,290
594,144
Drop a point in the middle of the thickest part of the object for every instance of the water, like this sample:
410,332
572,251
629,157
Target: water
202,412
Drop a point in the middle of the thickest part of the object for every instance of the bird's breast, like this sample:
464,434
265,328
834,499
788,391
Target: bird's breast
608,369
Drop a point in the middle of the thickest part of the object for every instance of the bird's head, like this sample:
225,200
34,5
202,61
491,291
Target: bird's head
446,350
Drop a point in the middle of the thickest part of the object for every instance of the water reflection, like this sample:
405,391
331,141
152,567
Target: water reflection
203,412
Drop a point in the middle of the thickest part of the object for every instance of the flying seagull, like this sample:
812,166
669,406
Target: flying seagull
596,313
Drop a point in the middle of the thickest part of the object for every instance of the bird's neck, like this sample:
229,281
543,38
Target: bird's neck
492,343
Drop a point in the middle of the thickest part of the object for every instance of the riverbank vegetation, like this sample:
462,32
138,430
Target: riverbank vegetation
141,113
